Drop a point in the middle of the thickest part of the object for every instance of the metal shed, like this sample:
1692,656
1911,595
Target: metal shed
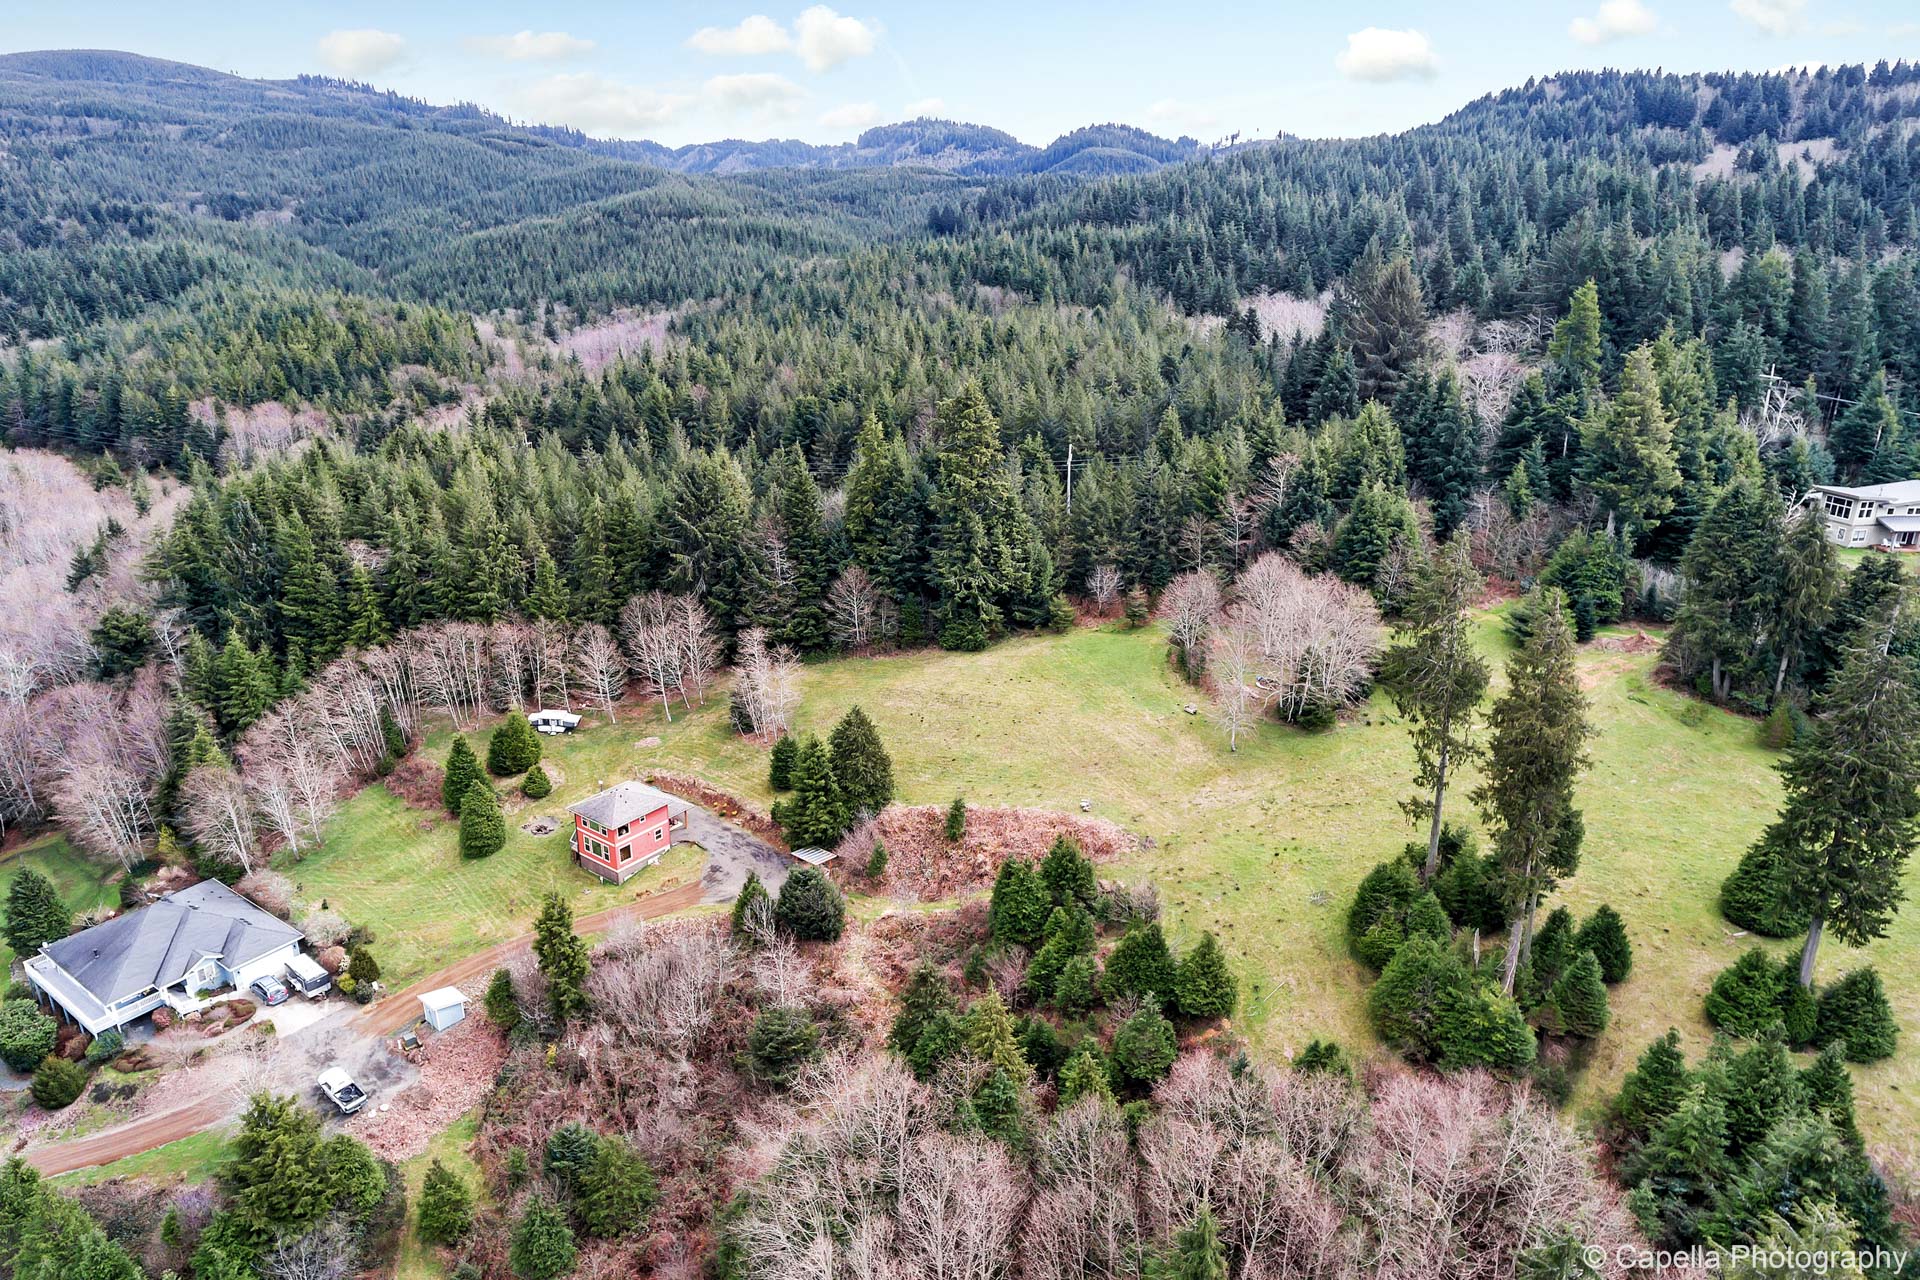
443,1007
814,857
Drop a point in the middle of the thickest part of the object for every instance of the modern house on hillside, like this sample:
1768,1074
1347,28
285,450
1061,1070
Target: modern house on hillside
179,952
1875,515
625,828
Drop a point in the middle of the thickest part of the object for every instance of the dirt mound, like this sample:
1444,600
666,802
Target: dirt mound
923,862
417,782
1637,642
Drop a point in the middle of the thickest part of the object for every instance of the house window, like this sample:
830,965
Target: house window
658,832
1838,507
626,854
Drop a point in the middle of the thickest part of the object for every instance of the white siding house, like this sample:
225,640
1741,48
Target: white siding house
180,951
1875,515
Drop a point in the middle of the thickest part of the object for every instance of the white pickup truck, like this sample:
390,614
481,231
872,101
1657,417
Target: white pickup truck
342,1091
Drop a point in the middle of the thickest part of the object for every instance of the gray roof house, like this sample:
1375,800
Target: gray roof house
1874,515
200,940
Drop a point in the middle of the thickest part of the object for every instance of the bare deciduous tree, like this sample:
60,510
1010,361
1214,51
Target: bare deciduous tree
766,681
662,983
1189,605
600,666
219,814
857,609
1103,586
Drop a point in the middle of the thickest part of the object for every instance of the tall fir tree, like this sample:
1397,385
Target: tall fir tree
977,523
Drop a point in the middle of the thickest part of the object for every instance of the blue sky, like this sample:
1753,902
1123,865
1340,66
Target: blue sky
683,72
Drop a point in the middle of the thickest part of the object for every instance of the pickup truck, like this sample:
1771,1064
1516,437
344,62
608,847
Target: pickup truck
342,1091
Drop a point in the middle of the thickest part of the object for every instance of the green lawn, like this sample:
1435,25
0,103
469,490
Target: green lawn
81,883
417,1260
191,1159
398,870
1264,845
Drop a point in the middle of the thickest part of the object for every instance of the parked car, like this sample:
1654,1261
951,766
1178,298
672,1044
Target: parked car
341,1090
270,989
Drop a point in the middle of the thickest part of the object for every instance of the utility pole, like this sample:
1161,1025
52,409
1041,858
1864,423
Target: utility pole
1069,477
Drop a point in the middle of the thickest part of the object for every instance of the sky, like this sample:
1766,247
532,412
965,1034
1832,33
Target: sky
694,72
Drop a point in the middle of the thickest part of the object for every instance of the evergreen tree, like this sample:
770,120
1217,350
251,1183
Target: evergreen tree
1803,596
1206,988
1604,933
1579,998
987,1033
275,1181
780,763
1144,1046
1142,965
977,523
877,861
779,1043
35,914
1827,1086
564,958
513,747
463,770
1415,988
1745,997
1083,1075
1654,1088
810,907
1575,349
1753,895
1629,462
957,819
1852,812
446,1206
542,1246
1733,569
1762,1089
1019,906
803,528
483,831
1854,1014
502,1006
1322,1055
745,905
1479,1026
536,785
616,1191
1066,874
1536,749
1553,948
1438,679
1379,525
817,815
860,764
1865,426
1197,1252
925,998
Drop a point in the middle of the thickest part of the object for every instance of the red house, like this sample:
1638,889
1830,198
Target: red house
624,828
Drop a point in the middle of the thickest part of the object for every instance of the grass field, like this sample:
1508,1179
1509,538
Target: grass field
398,870
80,883
1264,845
192,1159
417,1260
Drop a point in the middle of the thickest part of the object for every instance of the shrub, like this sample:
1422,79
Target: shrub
446,1206
463,770
362,967
513,747
1799,1011
1384,897
1552,948
780,1042
106,1046
483,830
568,1151
26,1035
877,861
1136,608
1083,1074
1776,731
1579,998
810,907
957,819
57,1082
1141,965
617,1190
501,1006
1762,1089
1206,988
780,763
1751,897
1041,1046
542,1245
1605,934
1019,906
1144,1046
1854,1014
536,785
1322,1055
1654,1088
1745,999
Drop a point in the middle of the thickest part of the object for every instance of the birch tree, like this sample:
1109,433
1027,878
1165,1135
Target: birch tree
601,668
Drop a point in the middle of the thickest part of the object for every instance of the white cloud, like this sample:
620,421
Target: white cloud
760,92
756,35
1775,17
854,115
932,107
360,50
1615,19
531,46
598,105
826,39
1380,55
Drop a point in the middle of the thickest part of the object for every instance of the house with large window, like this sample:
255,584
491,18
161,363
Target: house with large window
192,947
1875,515
625,828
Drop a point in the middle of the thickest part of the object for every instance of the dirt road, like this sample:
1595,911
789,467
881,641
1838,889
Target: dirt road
376,1022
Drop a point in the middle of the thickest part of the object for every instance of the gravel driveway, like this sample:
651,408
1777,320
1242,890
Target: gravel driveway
731,853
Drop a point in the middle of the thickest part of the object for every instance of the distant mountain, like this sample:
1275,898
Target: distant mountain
101,85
